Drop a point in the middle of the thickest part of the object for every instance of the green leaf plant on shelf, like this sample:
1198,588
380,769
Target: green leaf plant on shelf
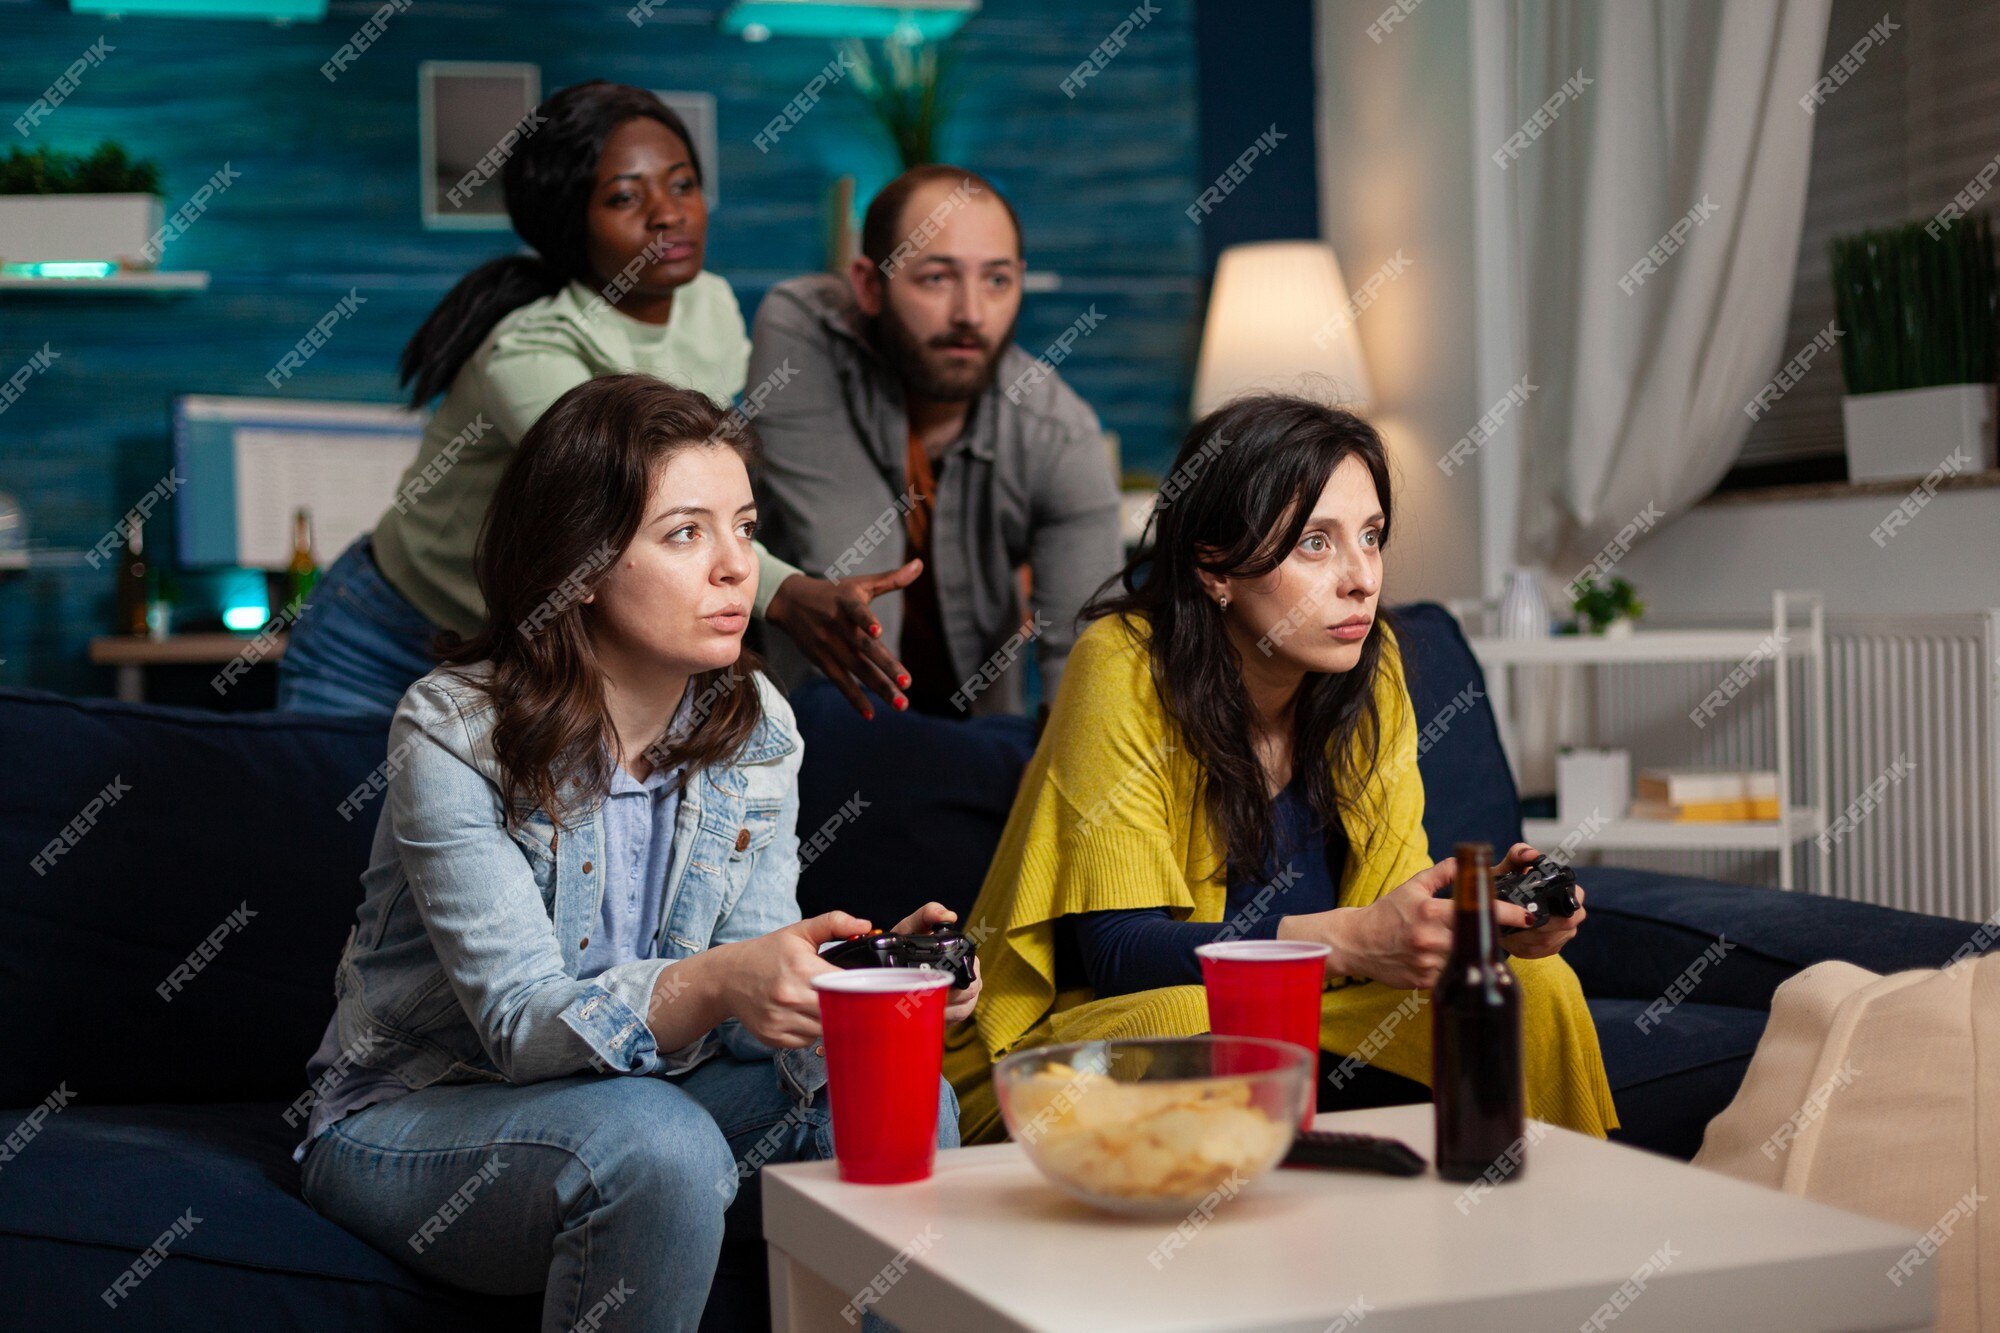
105,169
906,89
1609,608
1916,305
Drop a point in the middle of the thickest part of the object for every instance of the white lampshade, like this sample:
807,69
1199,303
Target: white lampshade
1278,321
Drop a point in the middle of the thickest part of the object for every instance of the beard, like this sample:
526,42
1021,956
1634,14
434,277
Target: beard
924,367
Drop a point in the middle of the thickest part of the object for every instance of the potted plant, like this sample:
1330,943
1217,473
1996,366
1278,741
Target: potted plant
905,91
1608,608
58,207
1916,306
905,88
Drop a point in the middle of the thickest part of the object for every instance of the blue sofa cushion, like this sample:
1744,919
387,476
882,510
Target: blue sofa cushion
1672,1078
100,1184
217,812
1645,928
902,810
1469,793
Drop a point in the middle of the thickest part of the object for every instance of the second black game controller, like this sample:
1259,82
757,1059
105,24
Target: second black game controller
1545,889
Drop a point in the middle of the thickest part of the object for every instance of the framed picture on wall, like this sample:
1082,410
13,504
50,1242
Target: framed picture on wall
471,113
697,111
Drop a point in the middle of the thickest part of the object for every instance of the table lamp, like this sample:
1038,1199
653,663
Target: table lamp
1279,311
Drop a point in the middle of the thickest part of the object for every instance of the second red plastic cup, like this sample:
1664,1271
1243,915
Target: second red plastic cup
1267,988
884,1036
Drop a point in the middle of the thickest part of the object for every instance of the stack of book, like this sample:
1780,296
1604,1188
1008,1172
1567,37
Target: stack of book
1682,794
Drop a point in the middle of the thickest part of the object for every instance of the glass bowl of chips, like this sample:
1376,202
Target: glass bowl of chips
1158,1125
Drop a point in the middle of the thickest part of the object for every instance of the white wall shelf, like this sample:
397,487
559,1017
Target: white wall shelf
174,283
1781,644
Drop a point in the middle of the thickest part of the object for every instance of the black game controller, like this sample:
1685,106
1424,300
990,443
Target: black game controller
939,950
1545,889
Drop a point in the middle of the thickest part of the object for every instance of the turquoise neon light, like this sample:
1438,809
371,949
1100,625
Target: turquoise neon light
757,19
61,269
273,11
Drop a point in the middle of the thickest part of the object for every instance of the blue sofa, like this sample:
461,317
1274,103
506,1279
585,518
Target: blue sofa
218,846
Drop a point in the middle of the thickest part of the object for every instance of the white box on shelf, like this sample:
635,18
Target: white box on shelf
65,228
1592,781
1913,432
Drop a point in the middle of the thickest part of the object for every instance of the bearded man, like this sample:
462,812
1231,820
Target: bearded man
906,438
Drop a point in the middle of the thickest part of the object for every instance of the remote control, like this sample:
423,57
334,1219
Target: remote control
1324,1149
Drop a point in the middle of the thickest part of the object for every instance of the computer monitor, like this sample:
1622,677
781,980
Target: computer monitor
248,464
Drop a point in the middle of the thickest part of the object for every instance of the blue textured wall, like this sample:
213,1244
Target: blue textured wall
1255,72
327,200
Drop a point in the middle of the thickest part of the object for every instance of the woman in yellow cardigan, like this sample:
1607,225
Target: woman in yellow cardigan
1233,754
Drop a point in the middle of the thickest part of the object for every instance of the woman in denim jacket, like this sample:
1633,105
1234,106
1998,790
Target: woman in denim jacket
575,1014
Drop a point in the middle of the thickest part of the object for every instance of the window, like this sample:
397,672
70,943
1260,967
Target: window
1911,126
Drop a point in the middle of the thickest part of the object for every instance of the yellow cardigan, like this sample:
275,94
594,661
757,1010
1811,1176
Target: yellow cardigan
1109,817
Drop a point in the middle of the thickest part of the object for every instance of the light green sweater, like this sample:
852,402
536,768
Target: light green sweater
533,356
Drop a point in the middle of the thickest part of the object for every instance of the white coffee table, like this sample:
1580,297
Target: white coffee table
986,1243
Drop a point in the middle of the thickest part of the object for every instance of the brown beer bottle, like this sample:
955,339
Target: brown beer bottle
135,582
1476,1075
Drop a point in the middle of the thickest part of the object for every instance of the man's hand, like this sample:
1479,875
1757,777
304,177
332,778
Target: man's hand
1549,937
830,621
959,1004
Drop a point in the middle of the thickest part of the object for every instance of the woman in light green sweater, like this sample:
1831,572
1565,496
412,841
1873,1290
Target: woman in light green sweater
606,189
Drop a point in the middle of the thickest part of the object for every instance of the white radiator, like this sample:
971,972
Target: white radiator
1913,711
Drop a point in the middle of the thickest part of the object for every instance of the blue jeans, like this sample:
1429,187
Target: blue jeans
605,1193
357,645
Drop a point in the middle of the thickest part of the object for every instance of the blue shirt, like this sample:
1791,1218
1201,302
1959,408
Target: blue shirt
1145,948
638,838
638,844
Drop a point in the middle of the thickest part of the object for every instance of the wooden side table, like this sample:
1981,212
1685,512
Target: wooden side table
132,655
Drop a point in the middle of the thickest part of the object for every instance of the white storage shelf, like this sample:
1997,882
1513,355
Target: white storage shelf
1670,835
1780,643
1651,645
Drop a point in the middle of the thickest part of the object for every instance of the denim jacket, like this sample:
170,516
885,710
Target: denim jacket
462,965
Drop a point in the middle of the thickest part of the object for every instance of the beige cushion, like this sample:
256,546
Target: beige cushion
1881,1095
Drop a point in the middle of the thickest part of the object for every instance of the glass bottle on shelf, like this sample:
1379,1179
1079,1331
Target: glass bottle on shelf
135,583
303,572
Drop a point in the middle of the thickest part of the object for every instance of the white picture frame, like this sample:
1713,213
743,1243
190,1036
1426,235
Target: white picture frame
697,111
466,111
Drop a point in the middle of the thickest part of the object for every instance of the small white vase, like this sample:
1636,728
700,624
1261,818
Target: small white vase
1524,612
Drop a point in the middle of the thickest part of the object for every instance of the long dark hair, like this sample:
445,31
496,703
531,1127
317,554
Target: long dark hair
571,499
1241,490
547,183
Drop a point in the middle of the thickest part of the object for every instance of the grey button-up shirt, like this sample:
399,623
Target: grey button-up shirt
1029,482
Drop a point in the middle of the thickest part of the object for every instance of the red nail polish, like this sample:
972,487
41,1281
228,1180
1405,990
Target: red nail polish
875,630
904,680
901,703
867,715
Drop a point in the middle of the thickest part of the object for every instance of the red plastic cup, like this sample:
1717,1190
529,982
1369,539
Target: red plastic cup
884,1037
1267,988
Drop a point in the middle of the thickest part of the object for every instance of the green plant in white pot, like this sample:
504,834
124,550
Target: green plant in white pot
1916,308
1610,609
68,208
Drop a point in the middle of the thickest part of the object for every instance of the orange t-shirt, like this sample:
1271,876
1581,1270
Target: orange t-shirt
923,650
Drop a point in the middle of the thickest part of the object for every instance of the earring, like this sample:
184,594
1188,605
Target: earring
1222,602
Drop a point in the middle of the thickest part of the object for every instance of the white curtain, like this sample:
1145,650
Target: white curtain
1691,111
